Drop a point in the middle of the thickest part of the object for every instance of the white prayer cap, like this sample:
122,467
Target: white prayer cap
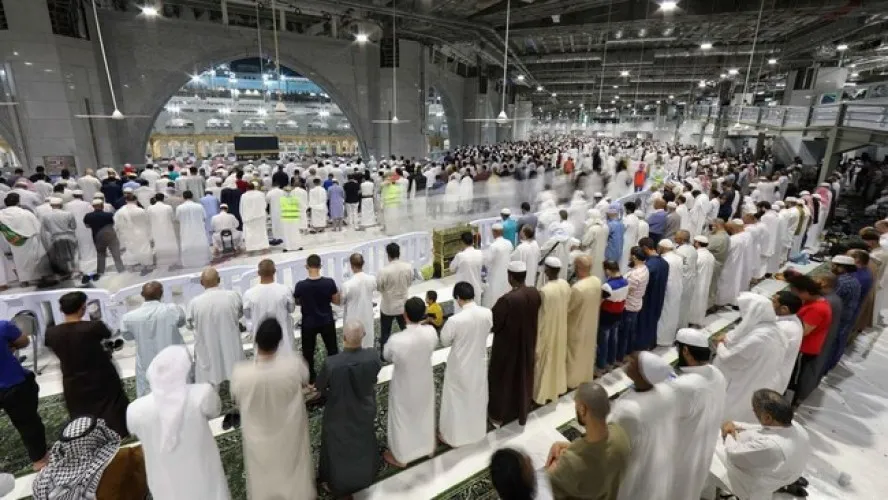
224,205
692,337
573,242
127,190
77,192
553,262
671,204
804,193
666,243
598,194
701,239
99,195
825,184
505,211
780,204
653,368
497,227
817,196
594,213
98,202
791,199
844,260
737,221
517,266
55,201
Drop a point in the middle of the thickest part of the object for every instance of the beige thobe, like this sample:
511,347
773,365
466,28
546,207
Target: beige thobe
582,330
550,366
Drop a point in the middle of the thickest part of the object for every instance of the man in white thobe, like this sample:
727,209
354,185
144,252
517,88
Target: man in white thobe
699,213
786,306
466,193
87,249
89,184
463,418
273,199
558,246
758,234
192,231
668,323
252,211
467,264
274,421
750,355
688,254
153,326
730,280
172,423
163,232
357,298
496,260
411,403
647,413
368,209
683,212
269,299
224,221
705,270
594,241
134,231
700,404
753,460
214,316
527,251
317,202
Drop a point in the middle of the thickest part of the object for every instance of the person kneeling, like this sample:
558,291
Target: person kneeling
226,237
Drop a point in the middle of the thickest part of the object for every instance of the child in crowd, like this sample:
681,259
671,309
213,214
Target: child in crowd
434,313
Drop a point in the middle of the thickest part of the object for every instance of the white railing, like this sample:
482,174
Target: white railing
866,116
824,116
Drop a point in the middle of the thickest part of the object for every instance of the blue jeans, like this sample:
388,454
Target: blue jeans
608,331
626,339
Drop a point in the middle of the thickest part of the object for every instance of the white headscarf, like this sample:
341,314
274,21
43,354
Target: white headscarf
168,378
755,310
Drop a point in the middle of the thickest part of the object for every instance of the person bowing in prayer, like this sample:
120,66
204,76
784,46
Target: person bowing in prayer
463,418
411,403
511,370
214,316
550,370
582,323
270,299
269,394
496,260
700,403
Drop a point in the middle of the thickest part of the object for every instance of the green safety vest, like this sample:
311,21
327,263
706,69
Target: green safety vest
290,209
391,195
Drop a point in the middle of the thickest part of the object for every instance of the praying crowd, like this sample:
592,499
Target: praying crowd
619,251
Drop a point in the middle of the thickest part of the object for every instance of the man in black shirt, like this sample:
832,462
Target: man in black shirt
280,178
352,201
101,224
314,296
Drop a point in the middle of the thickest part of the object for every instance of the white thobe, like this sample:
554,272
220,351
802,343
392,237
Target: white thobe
466,266
43,210
317,202
252,211
90,186
644,229
758,236
700,295
163,233
689,279
630,239
134,231
684,218
577,215
554,247
791,333
760,460
193,468
273,199
595,242
649,420
463,417
466,193
271,300
730,281
368,214
214,317
192,228
700,404
496,259
79,208
411,402
274,425
29,258
668,323
357,304
154,326
749,363
771,223
528,251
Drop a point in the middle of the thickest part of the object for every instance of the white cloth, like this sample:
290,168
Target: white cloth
193,468
273,199
684,217
302,195
698,214
669,317
751,355
700,404
134,231
153,326
466,193
271,300
317,202
90,186
252,211
595,242
29,258
772,237
730,281
791,333
466,266
649,420
163,233
274,425
214,317
357,304
689,279
463,417
763,459
411,402
630,239
368,214
700,294
529,253
192,228
79,208
496,259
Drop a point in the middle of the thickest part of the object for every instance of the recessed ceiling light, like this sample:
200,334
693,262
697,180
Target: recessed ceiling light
733,71
706,45
616,86
520,78
772,61
15,53
842,46
855,74
723,75
658,102
668,5
613,102
624,73
28,63
149,10
672,97
850,84
852,65
701,84
554,94
642,32
362,38
539,88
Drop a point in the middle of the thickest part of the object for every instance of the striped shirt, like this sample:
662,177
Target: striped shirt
638,278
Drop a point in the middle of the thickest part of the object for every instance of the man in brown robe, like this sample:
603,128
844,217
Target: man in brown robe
510,372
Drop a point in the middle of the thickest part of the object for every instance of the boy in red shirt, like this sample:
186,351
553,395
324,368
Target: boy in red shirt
816,317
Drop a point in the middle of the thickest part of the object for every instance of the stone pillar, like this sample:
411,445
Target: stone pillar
402,139
832,156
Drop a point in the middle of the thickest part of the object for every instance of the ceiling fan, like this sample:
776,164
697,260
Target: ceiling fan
394,119
9,103
116,114
502,118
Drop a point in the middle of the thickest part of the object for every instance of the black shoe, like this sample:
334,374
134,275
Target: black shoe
231,420
801,482
96,277
794,490
85,279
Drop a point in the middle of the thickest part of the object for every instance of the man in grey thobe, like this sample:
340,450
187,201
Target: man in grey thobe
719,243
349,454
58,232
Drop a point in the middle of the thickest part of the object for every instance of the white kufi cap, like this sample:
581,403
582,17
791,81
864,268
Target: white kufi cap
552,261
692,337
517,266
701,239
653,368
497,227
844,260
666,243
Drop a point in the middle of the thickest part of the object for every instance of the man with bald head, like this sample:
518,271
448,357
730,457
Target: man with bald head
153,326
215,316
582,323
270,299
604,449
349,454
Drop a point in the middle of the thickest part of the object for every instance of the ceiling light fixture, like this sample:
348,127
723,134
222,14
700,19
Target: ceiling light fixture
554,94
855,74
723,76
733,71
706,45
842,47
668,5
362,38
671,96
195,78
702,84
520,78
772,61
624,73
616,86
539,88
149,11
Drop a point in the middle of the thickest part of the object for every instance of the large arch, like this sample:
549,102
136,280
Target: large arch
145,83
451,88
